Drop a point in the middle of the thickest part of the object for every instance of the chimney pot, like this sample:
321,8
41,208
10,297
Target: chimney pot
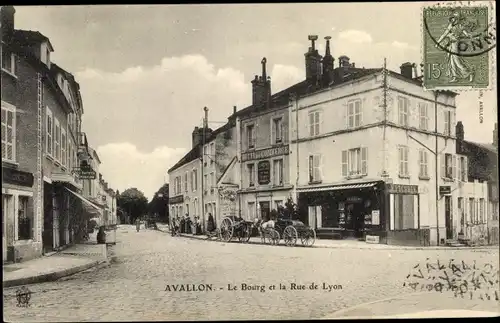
234,109
7,14
407,70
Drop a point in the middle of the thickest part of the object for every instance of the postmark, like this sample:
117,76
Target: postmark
459,41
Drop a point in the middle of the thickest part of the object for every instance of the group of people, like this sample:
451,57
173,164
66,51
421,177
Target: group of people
186,225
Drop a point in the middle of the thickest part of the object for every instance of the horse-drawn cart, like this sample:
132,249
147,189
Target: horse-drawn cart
292,230
235,227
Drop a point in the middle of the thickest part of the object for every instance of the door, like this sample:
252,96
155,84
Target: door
448,217
5,216
312,217
265,209
48,216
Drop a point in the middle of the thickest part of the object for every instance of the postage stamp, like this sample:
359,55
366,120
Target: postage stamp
459,42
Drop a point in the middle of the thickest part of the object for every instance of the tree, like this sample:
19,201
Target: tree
133,203
159,204
290,210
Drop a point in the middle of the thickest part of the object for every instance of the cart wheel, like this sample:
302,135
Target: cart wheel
308,237
290,236
247,232
274,237
226,229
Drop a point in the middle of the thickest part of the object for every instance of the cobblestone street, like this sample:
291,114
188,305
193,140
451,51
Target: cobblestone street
132,286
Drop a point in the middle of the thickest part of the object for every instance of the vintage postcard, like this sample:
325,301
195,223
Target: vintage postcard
249,161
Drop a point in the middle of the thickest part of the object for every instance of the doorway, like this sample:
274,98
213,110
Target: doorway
354,219
265,209
48,219
448,217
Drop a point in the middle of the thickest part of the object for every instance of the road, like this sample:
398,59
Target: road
133,287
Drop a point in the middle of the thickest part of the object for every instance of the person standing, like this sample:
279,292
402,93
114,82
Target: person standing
137,224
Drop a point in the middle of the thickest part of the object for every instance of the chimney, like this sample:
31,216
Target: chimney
495,135
205,119
407,70
261,87
234,109
7,21
459,130
313,61
196,136
328,61
344,61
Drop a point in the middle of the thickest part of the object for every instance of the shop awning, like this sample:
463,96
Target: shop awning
89,206
66,179
336,187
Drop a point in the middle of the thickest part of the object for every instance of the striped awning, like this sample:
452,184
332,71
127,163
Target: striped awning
90,207
335,187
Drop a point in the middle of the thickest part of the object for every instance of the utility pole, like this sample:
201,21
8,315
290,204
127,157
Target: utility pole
436,162
204,130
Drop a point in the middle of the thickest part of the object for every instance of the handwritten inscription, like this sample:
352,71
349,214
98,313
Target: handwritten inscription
461,278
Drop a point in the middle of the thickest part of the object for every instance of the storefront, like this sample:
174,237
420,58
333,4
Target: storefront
176,206
20,232
343,211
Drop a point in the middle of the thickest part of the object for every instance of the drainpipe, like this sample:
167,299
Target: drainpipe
436,174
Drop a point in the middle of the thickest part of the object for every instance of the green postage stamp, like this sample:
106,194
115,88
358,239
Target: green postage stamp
459,45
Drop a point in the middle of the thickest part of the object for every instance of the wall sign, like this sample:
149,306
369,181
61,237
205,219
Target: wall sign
402,189
376,217
266,153
372,239
176,199
444,190
264,172
17,177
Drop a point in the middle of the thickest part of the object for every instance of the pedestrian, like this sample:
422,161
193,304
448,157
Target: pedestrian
137,224
101,235
188,224
211,223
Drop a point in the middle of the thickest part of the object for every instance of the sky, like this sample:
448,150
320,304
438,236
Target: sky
146,72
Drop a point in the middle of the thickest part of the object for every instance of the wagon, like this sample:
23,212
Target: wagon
292,230
235,227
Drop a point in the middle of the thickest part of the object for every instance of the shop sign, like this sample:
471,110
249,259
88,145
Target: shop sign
402,189
375,217
354,199
372,239
82,174
444,190
176,199
264,172
266,153
17,177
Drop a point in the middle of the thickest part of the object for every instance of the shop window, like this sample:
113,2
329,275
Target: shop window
8,132
404,212
25,219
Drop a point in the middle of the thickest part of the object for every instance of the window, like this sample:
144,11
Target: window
354,113
403,161
404,212
482,218
354,162
25,219
472,210
278,172
212,153
423,110
70,155
9,62
423,162
178,185
205,182
212,181
314,168
251,136
447,122
277,130
461,211
195,179
8,132
448,166
404,110
49,149
251,210
63,147
186,182
57,139
462,169
251,175
314,120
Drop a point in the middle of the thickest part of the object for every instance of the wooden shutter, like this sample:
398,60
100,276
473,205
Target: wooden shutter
317,166
443,165
454,167
459,169
466,170
311,168
344,163
311,124
401,164
364,160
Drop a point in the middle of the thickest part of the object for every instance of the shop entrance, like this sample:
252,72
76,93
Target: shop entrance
354,219
48,219
265,209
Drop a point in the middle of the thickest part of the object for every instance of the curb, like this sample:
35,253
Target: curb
50,276
351,247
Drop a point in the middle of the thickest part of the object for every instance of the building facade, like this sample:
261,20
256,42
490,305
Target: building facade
263,151
375,158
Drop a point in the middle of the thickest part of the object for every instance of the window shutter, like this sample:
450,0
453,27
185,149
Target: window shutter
311,168
273,131
465,170
408,112
344,163
346,116
320,122
452,121
362,105
459,169
454,167
311,124
443,165
407,160
400,154
364,160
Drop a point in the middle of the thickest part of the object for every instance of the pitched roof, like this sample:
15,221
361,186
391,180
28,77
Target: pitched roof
28,37
489,147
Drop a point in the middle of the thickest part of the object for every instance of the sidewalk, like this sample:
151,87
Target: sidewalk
48,268
422,305
340,244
